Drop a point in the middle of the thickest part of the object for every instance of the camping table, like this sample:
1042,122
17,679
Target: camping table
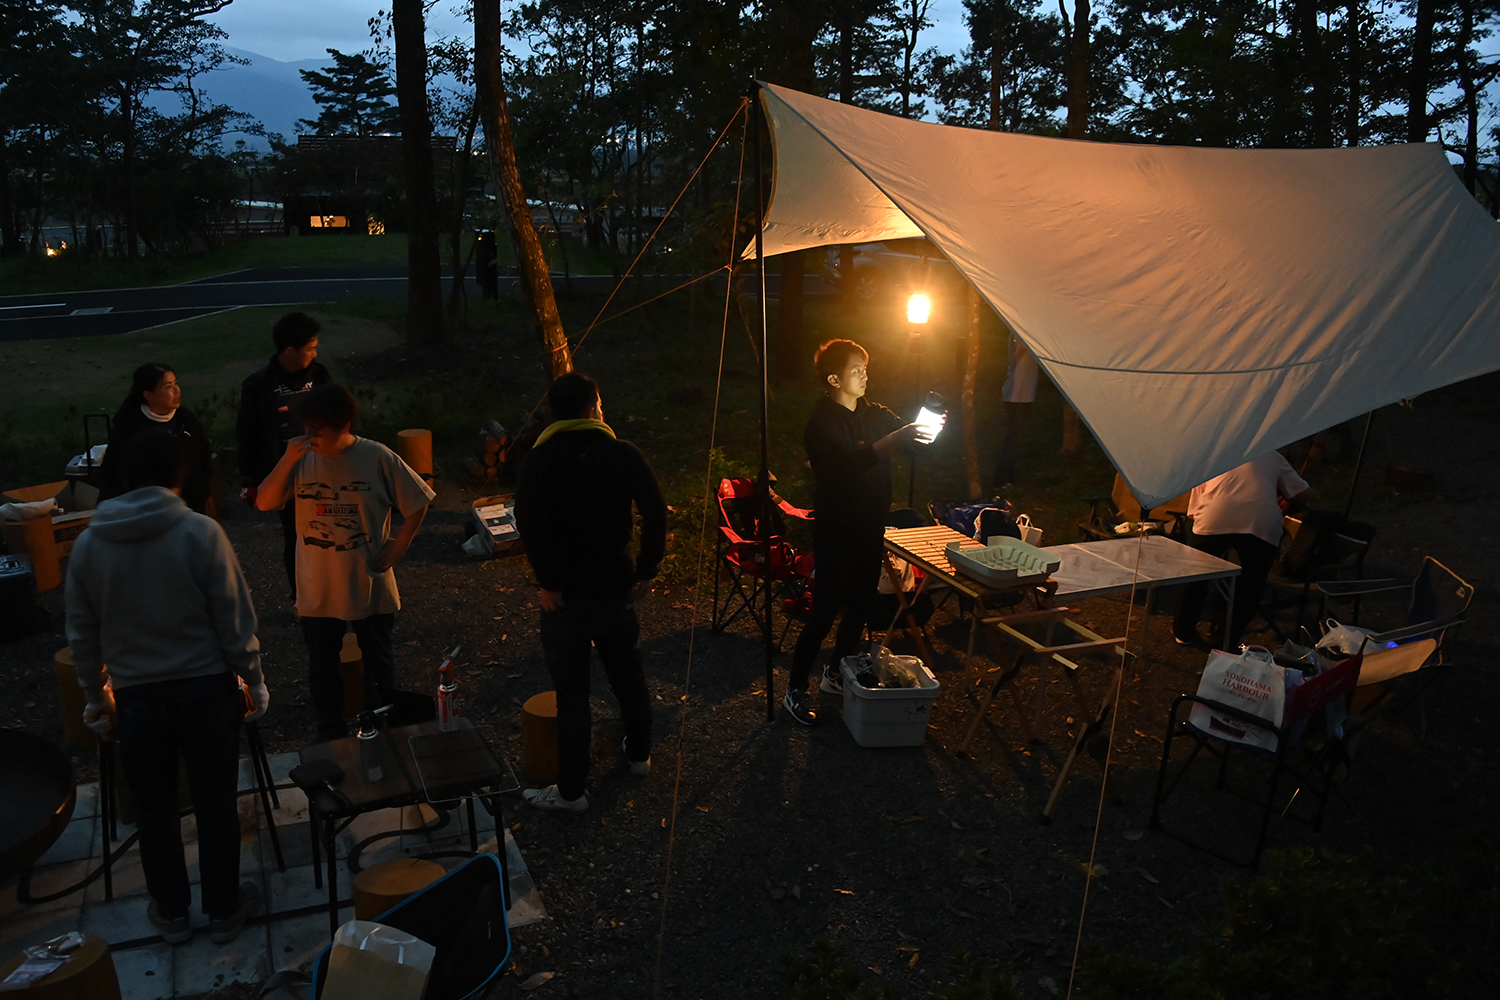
1092,569
421,763
925,548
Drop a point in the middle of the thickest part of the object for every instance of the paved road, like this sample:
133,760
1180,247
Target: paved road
122,310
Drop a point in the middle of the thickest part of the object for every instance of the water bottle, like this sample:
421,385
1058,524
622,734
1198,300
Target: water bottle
369,750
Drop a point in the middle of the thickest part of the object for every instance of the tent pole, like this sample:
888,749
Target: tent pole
763,485
1359,461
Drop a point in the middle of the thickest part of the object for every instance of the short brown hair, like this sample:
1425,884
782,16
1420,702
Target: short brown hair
329,406
834,355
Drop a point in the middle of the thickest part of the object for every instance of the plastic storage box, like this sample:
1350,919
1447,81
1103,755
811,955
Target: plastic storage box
889,717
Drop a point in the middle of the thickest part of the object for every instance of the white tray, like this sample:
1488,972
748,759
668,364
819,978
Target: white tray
1003,561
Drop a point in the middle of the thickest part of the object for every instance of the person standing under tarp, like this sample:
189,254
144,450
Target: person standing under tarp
270,416
574,503
1238,512
849,441
1019,395
159,624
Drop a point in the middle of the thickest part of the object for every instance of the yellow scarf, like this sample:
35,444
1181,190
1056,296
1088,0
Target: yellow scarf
579,424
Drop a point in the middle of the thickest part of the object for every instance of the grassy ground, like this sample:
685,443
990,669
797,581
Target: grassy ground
70,272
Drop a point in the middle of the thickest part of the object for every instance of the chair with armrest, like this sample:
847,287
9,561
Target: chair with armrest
1306,760
740,554
1121,506
1319,547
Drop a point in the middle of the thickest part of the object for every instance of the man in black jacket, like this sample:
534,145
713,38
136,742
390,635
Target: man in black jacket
269,416
849,441
573,509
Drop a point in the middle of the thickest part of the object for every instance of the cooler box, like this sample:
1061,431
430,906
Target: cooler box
497,522
889,717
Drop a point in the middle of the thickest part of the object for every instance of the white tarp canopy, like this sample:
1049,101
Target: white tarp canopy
1197,307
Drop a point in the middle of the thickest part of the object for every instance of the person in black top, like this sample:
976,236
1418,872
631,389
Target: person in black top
155,400
849,441
573,509
270,416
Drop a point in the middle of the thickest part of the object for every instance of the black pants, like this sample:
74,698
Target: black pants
1256,556
569,634
847,580
288,515
198,721
325,641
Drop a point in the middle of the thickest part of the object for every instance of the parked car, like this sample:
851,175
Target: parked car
894,267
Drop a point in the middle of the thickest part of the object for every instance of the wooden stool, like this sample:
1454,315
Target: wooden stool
539,736
415,448
70,702
381,886
90,973
352,668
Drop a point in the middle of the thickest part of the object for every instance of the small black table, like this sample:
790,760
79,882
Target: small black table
421,763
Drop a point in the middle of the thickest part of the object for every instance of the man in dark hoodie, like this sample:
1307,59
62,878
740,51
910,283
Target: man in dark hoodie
270,415
159,624
573,509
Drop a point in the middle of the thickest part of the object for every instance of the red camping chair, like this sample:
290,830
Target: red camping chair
740,555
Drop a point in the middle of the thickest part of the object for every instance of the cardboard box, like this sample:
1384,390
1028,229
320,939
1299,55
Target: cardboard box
496,517
47,545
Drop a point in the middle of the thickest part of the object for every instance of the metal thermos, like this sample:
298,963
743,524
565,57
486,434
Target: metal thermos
447,696
369,750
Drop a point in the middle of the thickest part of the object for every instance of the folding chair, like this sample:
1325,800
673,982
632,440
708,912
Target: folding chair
1121,506
1293,754
1319,547
1439,602
462,915
740,554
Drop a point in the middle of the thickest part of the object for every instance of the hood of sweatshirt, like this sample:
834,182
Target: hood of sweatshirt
138,515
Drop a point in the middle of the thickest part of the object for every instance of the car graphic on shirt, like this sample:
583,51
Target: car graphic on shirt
348,525
358,486
353,542
315,491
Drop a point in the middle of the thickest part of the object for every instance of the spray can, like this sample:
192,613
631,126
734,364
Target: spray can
447,696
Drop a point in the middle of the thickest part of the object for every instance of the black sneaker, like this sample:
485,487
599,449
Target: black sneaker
799,708
222,930
1192,641
832,682
173,931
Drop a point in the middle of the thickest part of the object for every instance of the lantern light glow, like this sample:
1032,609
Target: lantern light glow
918,308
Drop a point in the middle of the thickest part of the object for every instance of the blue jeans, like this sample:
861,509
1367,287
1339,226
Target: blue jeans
198,721
609,625
325,641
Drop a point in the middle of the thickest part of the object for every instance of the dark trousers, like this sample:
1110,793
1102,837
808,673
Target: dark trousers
1256,556
198,721
325,641
288,516
609,625
847,580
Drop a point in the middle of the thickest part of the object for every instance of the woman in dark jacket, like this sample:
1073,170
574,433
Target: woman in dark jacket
155,400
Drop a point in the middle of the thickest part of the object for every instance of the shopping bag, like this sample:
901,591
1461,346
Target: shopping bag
1250,681
1030,534
904,571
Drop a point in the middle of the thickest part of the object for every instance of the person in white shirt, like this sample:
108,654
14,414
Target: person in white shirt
1239,512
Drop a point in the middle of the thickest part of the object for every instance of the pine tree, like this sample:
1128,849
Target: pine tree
353,93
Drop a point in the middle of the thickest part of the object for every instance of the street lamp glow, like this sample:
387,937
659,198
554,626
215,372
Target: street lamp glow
918,308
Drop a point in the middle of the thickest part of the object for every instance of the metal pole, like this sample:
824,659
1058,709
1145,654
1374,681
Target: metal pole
763,485
1359,461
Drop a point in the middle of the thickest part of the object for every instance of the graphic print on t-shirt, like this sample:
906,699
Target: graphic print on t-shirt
337,524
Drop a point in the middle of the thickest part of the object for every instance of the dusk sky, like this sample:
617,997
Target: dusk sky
290,30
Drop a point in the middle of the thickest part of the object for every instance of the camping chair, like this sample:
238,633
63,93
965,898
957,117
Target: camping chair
740,553
1121,506
462,915
1439,601
1304,759
1318,547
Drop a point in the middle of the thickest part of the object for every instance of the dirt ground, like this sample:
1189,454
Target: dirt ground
752,837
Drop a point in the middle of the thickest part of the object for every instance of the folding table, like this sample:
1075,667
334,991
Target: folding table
1115,565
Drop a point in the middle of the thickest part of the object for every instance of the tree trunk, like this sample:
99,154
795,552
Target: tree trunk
461,176
530,259
127,167
424,268
1311,43
971,379
1355,71
1470,87
1419,77
10,233
1078,118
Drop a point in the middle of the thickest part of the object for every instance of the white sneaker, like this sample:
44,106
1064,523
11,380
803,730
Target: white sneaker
639,768
550,798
